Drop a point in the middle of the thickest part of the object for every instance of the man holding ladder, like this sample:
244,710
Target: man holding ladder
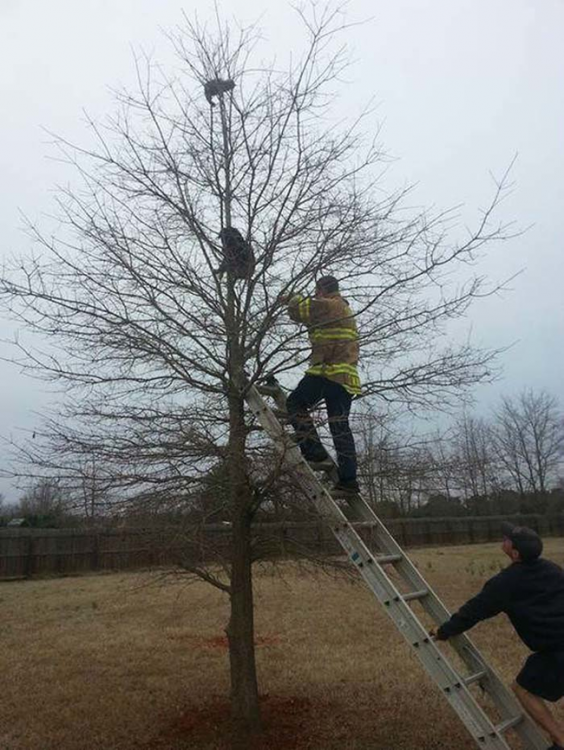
531,593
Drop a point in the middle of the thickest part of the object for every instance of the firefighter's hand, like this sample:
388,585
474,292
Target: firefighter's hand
283,299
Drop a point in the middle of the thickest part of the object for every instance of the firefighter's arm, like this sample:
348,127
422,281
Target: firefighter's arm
299,309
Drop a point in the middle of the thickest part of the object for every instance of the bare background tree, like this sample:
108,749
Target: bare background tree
473,446
155,351
528,439
507,462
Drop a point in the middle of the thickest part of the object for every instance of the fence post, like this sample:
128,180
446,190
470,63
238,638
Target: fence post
488,530
30,557
284,540
95,560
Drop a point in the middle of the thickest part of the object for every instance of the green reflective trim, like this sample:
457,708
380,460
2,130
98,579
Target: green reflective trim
335,369
351,380
304,309
334,334
352,389
337,329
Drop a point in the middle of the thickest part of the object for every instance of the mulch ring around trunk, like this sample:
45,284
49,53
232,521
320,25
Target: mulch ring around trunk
221,642
289,723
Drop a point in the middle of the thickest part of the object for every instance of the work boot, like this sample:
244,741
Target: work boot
324,464
347,488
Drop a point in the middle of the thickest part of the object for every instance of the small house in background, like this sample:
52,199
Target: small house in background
17,522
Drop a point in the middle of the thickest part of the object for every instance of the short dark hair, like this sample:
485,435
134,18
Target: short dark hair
328,284
526,541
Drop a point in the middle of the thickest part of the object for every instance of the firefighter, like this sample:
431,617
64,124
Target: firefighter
332,377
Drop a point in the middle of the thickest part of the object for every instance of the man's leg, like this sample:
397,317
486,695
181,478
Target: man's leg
307,394
540,712
338,401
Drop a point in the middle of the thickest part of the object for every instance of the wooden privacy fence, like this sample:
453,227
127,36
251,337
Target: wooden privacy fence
28,552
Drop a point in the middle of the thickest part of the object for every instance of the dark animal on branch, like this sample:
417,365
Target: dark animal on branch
238,256
217,87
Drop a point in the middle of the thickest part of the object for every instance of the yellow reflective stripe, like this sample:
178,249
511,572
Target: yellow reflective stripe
335,329
335,369
352,380
334,334
304,308
303,305
354,390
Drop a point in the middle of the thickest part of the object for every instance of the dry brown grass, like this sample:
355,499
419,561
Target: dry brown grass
127,661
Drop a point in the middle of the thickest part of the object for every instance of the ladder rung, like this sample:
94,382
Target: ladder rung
415,595
327,465
343,494
281,416
268,390
474,677
383,559
508,723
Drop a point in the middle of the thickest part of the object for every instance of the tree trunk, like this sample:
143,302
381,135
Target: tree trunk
245,709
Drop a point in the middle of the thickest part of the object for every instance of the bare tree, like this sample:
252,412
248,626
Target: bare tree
529,440
476,464
376,446
442,466
156,351
402,467
44,498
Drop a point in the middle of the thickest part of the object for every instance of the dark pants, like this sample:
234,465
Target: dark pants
310,391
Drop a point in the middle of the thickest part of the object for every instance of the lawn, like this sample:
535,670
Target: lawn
132,661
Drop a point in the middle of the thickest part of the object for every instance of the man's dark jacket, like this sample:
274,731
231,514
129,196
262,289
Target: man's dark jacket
530,593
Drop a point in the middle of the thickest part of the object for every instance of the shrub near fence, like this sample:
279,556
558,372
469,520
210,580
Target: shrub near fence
28,552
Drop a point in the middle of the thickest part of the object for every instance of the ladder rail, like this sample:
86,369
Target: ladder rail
504,700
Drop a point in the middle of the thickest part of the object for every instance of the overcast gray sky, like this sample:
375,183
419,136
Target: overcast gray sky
461,86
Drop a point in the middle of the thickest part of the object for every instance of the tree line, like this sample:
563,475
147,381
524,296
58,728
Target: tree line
510,462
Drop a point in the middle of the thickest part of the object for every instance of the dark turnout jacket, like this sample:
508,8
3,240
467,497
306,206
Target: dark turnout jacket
530,593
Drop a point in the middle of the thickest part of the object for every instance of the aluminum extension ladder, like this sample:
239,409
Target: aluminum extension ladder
455,686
